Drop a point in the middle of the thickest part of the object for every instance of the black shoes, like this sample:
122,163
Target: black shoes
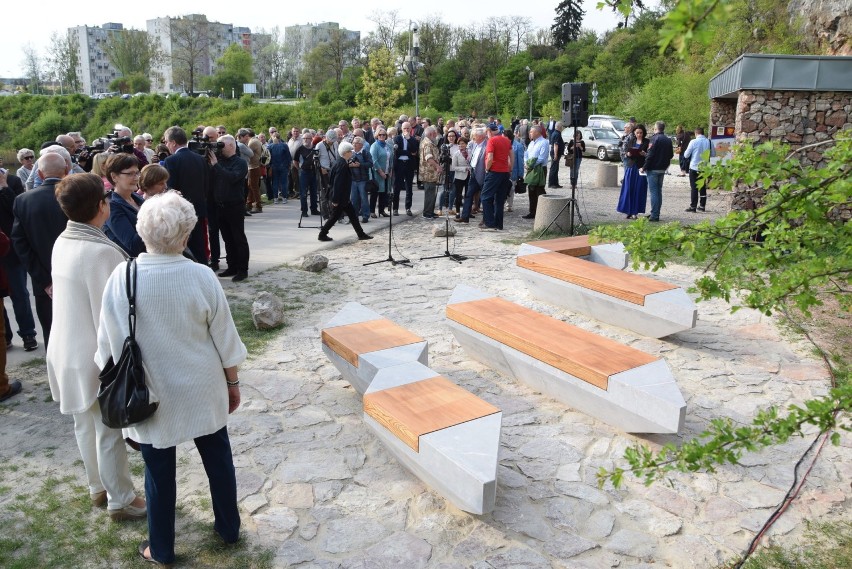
30,343
240,276
324,237
364,237
408,213
691,209
700,208
214,266
315,212
528,216
14,389
228,273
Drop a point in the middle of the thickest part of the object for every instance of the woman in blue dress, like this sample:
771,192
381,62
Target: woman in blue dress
634,188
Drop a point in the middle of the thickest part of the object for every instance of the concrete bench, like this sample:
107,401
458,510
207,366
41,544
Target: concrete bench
619,385
647,306
445,435
609,254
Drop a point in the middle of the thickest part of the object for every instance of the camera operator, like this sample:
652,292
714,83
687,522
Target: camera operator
125,144
188,173
211,135
68,144
228,174
307,161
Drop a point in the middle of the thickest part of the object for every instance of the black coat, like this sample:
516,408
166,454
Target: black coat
7,216
188,173
38,223
229,176
341,182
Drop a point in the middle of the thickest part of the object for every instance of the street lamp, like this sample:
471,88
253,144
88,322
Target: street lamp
412,61
594,98
530,78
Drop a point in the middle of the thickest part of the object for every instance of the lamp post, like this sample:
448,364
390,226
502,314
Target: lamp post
594,98
412,61
530,78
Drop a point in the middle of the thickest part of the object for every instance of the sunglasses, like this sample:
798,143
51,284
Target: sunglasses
28,157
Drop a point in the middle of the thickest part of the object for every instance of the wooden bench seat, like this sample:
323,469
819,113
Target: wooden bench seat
445,435
648,306
608,254
617,384
582,354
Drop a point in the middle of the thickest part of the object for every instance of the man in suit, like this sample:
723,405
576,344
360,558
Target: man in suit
11,187
406,147
476,151
188,173
38,223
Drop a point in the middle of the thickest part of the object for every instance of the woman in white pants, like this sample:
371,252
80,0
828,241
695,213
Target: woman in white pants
82,261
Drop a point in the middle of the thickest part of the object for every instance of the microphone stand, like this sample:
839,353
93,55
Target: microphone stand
390,259
446,254
572,202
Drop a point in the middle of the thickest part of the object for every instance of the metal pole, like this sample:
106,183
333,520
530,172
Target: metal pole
416,98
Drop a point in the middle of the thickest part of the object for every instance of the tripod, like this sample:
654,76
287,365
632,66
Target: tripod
390,258
572,202
446,197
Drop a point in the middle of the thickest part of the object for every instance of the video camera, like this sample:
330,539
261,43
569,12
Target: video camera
444,155
200,144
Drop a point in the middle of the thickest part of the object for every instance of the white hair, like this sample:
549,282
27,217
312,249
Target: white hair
23,152
56,149
344,148
165,222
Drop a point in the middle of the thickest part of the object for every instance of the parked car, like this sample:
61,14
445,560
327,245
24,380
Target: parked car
607,121
601,142
127,96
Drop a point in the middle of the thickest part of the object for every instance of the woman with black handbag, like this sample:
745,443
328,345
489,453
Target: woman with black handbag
191,350
82,261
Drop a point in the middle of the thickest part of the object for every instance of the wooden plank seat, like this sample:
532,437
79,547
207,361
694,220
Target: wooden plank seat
360,342
644,305
445,435
617,384
609,254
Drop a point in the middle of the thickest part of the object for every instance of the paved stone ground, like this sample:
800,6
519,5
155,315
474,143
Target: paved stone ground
321,491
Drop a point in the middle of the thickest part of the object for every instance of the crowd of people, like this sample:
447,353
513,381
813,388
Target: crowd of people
72,215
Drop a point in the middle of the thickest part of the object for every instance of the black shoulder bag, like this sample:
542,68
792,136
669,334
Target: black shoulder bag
123,395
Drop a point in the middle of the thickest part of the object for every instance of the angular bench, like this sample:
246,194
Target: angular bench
445,435
621,386
609,254
635,302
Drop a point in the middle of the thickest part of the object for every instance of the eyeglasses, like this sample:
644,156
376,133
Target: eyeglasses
149,140
135,173
28,157
382,135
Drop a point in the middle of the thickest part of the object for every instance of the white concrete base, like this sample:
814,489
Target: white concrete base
609,254
551,209
644,399
460,462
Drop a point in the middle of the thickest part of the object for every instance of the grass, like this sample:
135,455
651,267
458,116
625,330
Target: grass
58,527
825,546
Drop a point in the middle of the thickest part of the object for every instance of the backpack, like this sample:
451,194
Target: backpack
265,157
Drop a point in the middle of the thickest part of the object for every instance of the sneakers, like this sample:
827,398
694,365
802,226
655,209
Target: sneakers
128,513
30,343
14,389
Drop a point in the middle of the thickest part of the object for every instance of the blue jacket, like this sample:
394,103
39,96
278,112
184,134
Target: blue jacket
121,225
279,157
381,162
518,165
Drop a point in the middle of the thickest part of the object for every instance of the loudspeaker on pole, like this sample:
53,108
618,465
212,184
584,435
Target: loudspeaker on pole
575,104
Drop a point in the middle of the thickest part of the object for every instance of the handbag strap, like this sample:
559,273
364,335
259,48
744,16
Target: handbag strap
130,287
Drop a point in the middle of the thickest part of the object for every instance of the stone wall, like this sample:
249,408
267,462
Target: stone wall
798,118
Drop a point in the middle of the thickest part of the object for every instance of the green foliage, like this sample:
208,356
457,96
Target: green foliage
825,546
134,83
234,69
679,98
724,442
569,18
381,88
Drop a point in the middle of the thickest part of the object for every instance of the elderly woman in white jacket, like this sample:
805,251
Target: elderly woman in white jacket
82,261
191,350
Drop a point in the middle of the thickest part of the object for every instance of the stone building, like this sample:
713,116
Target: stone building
800,100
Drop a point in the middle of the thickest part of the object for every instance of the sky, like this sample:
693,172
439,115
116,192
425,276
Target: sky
58,16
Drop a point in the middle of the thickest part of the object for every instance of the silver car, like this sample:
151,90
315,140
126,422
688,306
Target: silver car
600,142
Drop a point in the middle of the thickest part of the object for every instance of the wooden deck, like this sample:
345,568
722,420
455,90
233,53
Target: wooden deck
351,340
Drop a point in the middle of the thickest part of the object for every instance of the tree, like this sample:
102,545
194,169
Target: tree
234,69
62,62
32,68
382,89
133,83
386,31
569,18
190,52
328,59
133,52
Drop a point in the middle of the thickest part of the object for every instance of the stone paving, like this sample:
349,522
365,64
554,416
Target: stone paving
317,488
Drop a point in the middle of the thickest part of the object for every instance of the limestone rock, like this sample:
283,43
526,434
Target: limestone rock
352,533
314,263
267,311
279,522
441,231
633,543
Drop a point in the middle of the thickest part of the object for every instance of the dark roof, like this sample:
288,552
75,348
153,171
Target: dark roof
782,73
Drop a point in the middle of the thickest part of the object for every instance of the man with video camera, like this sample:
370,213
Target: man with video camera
228,173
